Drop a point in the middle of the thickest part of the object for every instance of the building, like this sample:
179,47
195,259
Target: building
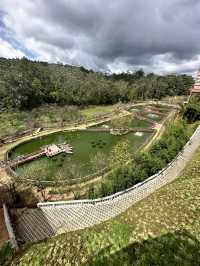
195,91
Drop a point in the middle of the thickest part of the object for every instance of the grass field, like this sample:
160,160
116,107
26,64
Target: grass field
163,229
10,123
92,111
47,116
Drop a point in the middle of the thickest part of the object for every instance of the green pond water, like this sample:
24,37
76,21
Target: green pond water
85,145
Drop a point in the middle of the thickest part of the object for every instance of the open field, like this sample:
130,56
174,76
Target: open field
163,229
47,116
92,111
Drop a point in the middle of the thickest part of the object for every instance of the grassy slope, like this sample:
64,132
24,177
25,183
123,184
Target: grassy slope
92,111
163,229
12,121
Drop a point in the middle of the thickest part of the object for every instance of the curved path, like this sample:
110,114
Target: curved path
52,218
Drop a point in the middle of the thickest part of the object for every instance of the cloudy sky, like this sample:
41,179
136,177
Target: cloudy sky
107,35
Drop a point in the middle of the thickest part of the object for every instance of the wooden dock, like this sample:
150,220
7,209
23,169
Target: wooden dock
49,151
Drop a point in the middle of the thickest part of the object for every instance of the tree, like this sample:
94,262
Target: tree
26,84
192,110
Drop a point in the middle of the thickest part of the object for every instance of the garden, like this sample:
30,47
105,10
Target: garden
92,149
91,152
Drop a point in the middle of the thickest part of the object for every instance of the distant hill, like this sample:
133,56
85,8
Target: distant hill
25,84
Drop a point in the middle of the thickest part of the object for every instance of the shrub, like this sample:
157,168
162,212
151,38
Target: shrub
192,110
5,254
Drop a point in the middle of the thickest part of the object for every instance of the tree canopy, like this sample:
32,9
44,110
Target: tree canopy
26,84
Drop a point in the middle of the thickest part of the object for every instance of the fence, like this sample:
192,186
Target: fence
9,227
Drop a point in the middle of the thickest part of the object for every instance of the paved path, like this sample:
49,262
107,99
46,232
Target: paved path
57,217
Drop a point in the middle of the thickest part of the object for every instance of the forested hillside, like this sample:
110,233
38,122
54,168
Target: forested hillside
25,84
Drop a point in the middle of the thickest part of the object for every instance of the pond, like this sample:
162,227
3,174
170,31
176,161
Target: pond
85,145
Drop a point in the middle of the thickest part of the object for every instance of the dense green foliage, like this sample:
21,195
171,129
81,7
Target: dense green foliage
153,86
25,84
148,163
5,253
191,111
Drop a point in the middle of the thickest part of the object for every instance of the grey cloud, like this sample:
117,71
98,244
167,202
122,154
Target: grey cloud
98,33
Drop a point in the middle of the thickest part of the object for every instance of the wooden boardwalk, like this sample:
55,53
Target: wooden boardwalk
49,151
26,158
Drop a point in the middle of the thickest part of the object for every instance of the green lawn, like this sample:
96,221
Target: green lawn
163,229
10,123
93,111
47,116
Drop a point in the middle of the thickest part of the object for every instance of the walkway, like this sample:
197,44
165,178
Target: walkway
57,217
